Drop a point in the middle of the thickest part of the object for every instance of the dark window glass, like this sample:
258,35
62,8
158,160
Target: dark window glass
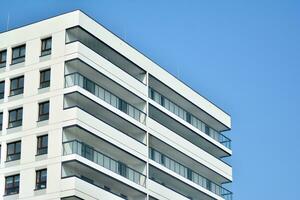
1,122
122,169
2,87
41,179
206,129
12,184
13,151
123,106
2,58
189,174
17,86
18,54
45,78
188,118
42,145
46,46
15,118
162,100
44,111
88,152
89,86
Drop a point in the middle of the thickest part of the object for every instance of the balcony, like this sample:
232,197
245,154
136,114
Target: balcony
180,127
188,117
88,152
98,182
79,34
189,174
83,100
85,83
173,183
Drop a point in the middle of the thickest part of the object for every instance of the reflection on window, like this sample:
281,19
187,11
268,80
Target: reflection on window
45,78
2,87
44,111
46,46
42,145
2,59
12,184
17,86
1,122
41,179
15,118
13,151
18,54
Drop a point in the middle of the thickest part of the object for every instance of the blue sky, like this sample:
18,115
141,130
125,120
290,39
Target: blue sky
242,55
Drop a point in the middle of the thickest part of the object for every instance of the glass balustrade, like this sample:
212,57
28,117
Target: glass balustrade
79,80
189,174
188,117
88,152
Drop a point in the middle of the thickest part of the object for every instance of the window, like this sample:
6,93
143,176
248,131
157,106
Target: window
45,78
12,184
123,106
2,59
18,54
41,179
2,87
1,122
17,86
13,151
46,46
44,111
42,145
15,118
122,169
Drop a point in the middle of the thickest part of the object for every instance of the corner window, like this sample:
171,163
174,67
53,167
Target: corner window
1,122
18,54
13,151
41,179
2,59
2,87
45,78
17,86
12,184
15,118
44,111
42,145
46,46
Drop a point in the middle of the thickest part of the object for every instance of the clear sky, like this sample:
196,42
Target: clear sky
242,55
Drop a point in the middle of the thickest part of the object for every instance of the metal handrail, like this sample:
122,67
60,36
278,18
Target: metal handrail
225,141
76,78
189,174
88,152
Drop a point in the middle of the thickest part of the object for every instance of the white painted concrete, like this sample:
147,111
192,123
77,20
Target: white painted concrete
59,117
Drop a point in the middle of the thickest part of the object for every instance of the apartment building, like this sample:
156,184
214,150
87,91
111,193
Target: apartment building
86,116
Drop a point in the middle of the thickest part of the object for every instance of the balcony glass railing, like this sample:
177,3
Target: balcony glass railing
79,80
188,117
101,48
189,174
88,152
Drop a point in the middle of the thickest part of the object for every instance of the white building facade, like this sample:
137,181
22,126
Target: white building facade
83,115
